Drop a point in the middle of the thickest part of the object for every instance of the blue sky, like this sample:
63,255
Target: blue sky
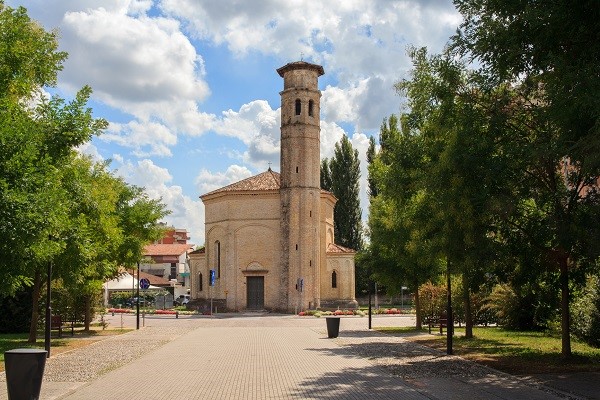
190,89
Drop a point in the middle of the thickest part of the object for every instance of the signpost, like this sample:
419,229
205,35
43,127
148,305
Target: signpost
144,284
211,282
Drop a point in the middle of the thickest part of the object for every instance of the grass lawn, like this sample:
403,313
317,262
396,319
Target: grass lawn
9,341
514,352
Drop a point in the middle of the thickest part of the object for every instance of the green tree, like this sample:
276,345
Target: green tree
556,44
371,154
342,172
56,206
400,244
548,50
325,175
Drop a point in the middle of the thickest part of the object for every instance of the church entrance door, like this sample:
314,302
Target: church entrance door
255,286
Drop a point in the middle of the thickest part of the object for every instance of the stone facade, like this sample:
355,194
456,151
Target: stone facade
269,238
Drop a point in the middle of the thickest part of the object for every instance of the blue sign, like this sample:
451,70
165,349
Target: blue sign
144,283
212,277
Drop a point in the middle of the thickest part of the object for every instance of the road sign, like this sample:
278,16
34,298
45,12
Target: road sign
212,276
144,283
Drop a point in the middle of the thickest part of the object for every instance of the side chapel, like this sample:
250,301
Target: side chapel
270,237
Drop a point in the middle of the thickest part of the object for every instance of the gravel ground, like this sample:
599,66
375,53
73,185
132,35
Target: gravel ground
413,362
406,359
87,363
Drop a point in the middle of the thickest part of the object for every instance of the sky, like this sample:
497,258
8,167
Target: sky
191,94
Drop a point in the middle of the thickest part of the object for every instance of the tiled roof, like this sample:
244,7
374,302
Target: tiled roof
175,249
268,180
201,250
154,280
336,248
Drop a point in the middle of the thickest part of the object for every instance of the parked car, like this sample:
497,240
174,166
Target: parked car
132,302
182,300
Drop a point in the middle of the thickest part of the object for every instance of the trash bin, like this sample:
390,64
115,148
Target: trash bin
24,373
333,326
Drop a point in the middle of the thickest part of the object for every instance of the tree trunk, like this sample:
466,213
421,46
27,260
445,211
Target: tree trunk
565,323
468,311
35,309
87,318
418,308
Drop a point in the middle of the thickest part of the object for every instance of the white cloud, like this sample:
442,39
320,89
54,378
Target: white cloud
331,133
146,139
256,124
207,181
360,142
362,44
90,150
186,212
132,62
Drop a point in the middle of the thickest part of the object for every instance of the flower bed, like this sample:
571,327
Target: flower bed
152,311
319,313
120,311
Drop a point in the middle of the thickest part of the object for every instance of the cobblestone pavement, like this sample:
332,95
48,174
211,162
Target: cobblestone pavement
270,357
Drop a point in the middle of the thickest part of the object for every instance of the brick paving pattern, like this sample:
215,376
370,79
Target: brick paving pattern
271,357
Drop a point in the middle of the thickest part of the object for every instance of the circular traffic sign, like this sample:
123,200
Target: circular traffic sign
144,283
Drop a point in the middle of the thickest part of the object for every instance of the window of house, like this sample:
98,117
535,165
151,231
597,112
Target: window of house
334,279
173,274
200,282
310,108
298,107
218,258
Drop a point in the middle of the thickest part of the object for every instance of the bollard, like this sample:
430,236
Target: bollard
24,373
176,314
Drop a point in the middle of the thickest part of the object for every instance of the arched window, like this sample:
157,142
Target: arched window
310,108
218,258
199,282
298,107
334,279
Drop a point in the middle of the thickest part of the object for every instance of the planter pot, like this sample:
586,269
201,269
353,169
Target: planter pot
333,326
24,373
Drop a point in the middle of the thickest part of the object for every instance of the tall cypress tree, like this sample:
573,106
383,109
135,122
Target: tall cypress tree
325,175
343,173
371,154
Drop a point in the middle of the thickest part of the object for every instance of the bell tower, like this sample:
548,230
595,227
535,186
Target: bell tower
300,185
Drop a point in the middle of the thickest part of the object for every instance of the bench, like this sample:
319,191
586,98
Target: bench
56,323
441,321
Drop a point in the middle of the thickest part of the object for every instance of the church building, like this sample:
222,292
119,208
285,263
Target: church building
270,238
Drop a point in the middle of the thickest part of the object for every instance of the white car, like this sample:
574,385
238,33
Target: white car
182,300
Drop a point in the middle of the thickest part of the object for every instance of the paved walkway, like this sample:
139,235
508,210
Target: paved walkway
270,357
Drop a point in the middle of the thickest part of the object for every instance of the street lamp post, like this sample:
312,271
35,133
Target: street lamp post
48,310
137,305
449,316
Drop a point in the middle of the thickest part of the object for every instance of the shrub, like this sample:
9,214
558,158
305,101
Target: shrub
585,310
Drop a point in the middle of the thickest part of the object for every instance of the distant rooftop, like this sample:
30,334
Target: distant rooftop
174,249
